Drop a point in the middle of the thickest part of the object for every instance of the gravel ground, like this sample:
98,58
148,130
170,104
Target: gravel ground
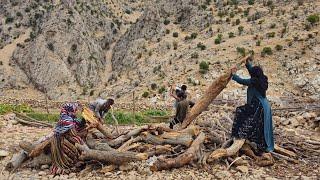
12,134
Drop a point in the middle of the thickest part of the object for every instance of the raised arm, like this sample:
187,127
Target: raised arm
239,80
249,65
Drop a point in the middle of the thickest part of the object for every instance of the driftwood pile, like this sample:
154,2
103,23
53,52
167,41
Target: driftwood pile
199,143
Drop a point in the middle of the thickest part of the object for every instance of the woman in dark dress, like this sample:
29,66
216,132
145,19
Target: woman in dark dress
253,121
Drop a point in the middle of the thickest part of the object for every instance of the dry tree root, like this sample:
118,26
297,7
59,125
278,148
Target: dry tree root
186,158
230,151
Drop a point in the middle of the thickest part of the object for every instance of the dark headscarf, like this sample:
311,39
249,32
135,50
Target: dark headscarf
260,81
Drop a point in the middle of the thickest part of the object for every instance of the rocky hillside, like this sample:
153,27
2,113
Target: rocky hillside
78,49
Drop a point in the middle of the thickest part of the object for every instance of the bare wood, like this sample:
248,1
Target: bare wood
36,162
230,151
173,139
98,145
283,151
39,148
183,159
209,95
158,150
280,156
124,146
16,160
121,139
113,157
115,120
29,119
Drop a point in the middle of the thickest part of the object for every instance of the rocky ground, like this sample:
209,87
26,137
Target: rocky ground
292,135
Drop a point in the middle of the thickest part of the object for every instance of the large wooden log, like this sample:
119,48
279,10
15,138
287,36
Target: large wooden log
210,94
186,158
112,157
123,138
183,137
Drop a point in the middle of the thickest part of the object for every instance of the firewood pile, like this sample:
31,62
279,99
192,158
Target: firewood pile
194,143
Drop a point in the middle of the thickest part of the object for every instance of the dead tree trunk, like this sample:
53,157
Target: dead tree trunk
190,155
210,94
112,157
121,139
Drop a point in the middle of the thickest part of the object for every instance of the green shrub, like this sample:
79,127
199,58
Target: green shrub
237,21
194,35
231,35
155,112
217,41
204,66
154,86
201,46
271,34
251,2
278,47
9,19
240,29
195,55
167,31
50,47
175,34
266,51
241,51
166,22
314,18
145,94
161,90
19,14
258,43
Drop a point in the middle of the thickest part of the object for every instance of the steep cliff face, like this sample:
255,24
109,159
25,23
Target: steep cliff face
151,26
66,52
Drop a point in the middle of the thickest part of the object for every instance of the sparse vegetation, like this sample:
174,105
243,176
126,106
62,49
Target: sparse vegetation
241,51
251,2
50,47
237,22
201,46
166,22
218,39
175,34
313,19
154,86
258,43
145,94
175,45
266,51
6,108
161,90
195,55
231,34
271,34
278,47
240,29
9,20
204,67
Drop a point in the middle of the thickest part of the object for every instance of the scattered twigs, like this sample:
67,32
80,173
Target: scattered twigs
30,121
